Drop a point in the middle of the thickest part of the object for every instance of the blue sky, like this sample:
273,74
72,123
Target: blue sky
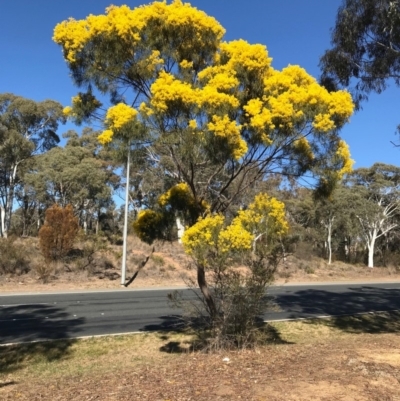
294,31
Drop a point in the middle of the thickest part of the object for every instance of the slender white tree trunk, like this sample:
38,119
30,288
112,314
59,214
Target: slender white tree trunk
371,247
181,229
3,218
329,240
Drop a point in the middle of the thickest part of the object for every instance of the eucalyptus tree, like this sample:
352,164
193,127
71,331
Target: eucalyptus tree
27,128
365,47
375,201
332,214
77,174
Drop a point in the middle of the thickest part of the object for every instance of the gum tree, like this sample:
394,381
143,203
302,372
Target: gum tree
215,117
27,128
365,47
375,202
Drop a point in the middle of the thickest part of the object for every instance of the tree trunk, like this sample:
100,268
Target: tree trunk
201,280
371,247
329,240
6,211
3,217
180,228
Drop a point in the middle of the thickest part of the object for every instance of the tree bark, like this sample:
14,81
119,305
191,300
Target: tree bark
329,242
180,228
201,280
2,218
371,247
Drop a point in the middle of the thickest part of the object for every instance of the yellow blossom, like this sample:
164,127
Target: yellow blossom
225,128
234,238
204,233
67,111
290,97
119,115
179,196
129,25
193,124
145,110
343,152
105,137
186,64
264,215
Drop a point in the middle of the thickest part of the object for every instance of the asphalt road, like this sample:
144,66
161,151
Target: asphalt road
69,315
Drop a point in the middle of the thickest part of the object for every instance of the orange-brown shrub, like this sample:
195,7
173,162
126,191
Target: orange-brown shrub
58,233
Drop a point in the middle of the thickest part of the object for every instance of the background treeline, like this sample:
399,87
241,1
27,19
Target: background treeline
358,223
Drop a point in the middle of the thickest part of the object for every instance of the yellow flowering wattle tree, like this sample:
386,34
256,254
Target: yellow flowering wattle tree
215,117
219,116
240,259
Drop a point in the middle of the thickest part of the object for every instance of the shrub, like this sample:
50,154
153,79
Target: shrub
235,264
58,233
13,259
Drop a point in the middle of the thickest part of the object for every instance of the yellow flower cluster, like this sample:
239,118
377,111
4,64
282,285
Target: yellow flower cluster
146,225
225,128
242,55
67,111
234,57
105,137
291,96
119,115
167,89
266,215
186,64
116,118
193,124
179,196
343,152
204,233
234,238
145,110
129,24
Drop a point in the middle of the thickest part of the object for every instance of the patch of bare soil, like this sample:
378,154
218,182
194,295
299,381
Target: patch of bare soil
350,368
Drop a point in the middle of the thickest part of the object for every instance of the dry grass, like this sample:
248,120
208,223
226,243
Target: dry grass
332,359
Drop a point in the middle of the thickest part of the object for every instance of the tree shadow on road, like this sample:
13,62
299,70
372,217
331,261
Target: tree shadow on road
350,309
36,332
371,323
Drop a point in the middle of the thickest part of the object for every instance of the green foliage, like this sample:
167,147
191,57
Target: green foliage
26,129
365,47
151,225
58,233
